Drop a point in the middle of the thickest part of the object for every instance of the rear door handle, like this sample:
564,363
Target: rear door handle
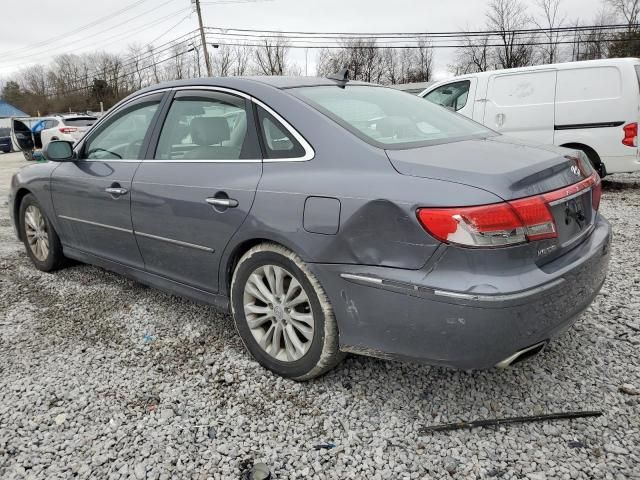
222,202
116,191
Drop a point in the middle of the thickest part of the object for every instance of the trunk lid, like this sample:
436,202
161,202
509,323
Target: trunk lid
512,169
504,166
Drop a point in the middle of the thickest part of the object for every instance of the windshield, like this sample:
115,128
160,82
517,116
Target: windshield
389,118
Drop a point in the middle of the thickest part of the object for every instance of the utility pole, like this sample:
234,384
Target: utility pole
203,39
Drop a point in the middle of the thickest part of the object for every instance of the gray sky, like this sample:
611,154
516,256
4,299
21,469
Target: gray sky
26,31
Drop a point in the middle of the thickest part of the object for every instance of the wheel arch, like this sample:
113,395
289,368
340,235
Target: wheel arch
231,260
19,196
591,153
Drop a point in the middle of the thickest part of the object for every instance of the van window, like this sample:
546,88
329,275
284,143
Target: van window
451,95
595,83
523,89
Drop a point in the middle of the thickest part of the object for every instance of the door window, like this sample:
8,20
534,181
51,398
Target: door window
278,141
207,126
123,136
452,95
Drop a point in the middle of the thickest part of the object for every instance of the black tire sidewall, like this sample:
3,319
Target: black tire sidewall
309,361
55,251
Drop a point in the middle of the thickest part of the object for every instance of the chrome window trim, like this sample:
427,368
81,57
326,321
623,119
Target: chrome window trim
176,242
308,149
247,160
95,224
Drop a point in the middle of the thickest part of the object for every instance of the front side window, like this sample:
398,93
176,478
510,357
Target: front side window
206,126
452,95
123,136
388,118
278,141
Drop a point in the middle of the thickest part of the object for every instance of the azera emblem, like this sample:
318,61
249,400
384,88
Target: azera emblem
575,170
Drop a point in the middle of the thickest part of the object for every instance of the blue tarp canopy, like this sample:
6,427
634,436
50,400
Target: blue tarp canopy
8,110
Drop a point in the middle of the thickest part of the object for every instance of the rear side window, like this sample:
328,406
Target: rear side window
80,121
278,141
388,118
207,126
452,95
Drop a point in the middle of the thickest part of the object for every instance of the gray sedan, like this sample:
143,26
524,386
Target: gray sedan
328,216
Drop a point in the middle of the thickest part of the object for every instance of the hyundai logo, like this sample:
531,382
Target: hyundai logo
575,170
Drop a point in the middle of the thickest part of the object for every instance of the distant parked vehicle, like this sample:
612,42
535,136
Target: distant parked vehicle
5,140
70,128
591,106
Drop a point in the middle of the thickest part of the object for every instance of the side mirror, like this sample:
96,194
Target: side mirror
58,151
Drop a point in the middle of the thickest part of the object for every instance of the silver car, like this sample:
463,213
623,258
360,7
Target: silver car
327,216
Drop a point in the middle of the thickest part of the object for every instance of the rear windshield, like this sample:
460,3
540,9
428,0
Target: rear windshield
80,121
389,118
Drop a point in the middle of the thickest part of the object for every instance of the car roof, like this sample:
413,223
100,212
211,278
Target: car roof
277,81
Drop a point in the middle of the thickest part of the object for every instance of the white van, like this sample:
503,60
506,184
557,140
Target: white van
592,106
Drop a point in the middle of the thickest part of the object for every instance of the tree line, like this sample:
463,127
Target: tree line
83,82
549,43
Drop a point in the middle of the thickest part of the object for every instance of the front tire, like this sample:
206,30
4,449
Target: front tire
39,237
282,313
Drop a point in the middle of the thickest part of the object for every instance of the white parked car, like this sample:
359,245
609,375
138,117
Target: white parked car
592,106
65,127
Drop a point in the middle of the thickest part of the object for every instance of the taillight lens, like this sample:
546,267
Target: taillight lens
506,223
68,129
596,194
630,135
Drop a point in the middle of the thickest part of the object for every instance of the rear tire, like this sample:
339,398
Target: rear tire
39,237
283,315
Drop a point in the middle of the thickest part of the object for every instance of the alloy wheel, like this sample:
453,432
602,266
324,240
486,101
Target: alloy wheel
278,312
36,231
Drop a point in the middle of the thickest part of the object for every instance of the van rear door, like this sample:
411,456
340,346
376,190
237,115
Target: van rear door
522,105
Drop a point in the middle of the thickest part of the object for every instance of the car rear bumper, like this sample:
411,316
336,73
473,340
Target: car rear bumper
395,313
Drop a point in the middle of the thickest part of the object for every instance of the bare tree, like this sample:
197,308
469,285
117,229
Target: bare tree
504,17
474,56
240,59
222,61
629,10
551,20
593,44
271,57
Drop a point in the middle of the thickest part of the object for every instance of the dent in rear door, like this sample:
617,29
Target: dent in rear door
207,155
522,105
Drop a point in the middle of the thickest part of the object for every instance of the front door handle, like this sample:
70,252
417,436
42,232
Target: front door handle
116,191
222,202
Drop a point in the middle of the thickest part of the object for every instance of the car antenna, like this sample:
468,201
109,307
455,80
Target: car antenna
342,77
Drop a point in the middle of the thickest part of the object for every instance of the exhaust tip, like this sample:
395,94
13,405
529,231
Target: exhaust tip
522,355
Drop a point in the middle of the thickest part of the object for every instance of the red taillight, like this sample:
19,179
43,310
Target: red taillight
507,223
68,129
630,135
596,194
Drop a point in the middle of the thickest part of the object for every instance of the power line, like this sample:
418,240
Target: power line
79,29
432,34
46,52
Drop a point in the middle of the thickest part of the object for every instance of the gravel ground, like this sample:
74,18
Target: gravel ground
101,377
